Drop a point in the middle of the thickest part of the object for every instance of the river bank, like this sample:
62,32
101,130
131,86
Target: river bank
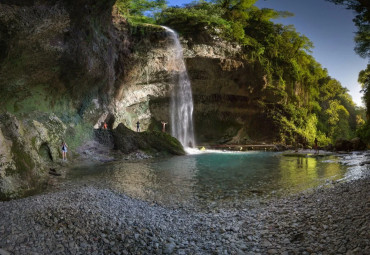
88,220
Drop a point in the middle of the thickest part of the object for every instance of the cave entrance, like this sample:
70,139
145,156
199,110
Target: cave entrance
45,153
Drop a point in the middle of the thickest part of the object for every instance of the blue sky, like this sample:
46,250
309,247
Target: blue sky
331,30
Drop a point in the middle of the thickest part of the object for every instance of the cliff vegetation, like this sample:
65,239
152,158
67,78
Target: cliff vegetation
299,97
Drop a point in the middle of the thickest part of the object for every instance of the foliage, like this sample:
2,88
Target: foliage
364,132
195,17
364,80
362,39
362,22
140,11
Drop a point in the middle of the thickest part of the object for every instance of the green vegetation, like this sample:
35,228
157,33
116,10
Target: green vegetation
362,22
364,80
140,11
301,99
362,39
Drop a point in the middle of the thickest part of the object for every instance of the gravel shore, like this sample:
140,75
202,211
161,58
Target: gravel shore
88,220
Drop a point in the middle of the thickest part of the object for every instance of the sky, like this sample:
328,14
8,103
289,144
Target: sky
331,30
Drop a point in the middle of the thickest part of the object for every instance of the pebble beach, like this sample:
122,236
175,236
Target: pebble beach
90,220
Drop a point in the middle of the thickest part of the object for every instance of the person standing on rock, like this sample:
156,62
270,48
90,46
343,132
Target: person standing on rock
64,150
137,126
163,126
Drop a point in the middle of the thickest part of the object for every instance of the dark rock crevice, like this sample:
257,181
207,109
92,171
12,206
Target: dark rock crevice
45,153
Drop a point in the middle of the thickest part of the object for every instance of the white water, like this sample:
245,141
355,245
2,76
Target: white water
181,98
194,151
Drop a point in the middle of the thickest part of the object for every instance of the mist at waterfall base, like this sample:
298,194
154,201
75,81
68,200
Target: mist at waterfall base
181,107
224,179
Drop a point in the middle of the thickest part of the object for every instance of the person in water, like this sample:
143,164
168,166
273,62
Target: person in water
137,126
105,126
163,126
64,150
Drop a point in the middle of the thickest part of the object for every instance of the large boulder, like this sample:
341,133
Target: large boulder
28,148
128,141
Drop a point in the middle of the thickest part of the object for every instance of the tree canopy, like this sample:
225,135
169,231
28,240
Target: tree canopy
141,10
362,22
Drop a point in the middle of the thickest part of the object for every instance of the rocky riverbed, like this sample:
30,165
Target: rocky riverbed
88,220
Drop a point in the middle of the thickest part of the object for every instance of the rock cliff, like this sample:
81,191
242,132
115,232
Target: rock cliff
68,66
58,65
64,69
227,89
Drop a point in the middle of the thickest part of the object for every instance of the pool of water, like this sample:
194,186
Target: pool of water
224,177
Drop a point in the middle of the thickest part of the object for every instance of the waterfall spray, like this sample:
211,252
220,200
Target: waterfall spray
181,98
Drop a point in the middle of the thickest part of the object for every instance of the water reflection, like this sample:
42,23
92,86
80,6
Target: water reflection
133,180
215,177
298,174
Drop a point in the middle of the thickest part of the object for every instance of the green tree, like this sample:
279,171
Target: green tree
195,19
143,11
362,22
364,80
337,115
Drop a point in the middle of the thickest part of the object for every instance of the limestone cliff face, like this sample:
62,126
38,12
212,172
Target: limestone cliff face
27,148
147,80
66,66
227,90
59,61
78,64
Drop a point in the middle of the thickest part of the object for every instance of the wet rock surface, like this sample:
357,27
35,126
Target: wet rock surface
128,141
87,220
28,148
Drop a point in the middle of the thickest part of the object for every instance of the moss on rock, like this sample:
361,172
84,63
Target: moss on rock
128,141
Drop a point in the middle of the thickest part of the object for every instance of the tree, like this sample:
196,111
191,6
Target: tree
141,10
364,80
362,22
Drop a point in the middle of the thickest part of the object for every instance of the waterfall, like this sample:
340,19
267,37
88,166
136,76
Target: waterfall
181,98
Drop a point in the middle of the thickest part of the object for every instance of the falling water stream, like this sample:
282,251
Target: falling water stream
181,98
